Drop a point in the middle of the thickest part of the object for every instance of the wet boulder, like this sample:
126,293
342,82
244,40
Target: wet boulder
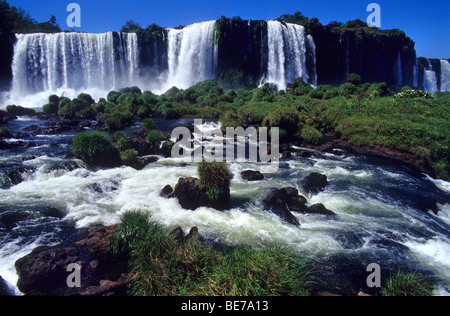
314,183
319,208
45,268
192,194
252,175
166,191
284,201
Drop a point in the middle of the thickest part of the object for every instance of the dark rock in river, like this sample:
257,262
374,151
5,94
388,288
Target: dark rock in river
16,176
319,208
166,191
192,195
314,183
283,201
142,161
44,270
252,175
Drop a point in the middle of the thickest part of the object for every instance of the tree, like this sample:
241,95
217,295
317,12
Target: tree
131,27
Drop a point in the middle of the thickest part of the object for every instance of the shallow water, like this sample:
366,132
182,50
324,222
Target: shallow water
384,210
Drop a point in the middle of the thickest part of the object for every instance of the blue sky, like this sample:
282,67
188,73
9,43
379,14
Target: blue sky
426,22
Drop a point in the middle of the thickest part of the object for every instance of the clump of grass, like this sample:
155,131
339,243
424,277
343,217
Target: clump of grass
133,226
215,177
128,156
95,148
407,284
166,266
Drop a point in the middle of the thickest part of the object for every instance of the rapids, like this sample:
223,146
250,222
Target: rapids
386,213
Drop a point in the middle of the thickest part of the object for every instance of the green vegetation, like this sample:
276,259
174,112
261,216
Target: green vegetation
216,177
17,110
407,284
15,20
366,114
165,265
95,148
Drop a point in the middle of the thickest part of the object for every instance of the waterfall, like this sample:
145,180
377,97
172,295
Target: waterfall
311,60
445,75
416,75
77,61
430,79
192,55
287,60
398,74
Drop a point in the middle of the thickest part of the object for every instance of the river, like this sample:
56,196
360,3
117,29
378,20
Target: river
384,211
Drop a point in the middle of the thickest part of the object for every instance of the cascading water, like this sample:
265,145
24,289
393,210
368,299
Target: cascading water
430,79
445,75
398,74
192,55
288,48
416,75
73,61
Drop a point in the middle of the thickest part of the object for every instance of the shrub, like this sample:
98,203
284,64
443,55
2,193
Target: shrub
230,119
53,99
131,100
154,138
378,89
215,177
116,118
347,89
300,87
113,96
95,149
133,89
128,156
310,134
407,284
63,102
330,94
148,125
283,117
123,144
50,108
263,94
17,110
354,79
86,97
77,108
82,109
316,94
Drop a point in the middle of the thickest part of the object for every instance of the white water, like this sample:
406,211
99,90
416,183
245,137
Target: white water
430,79
445,75
192,55
287,59
69,63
